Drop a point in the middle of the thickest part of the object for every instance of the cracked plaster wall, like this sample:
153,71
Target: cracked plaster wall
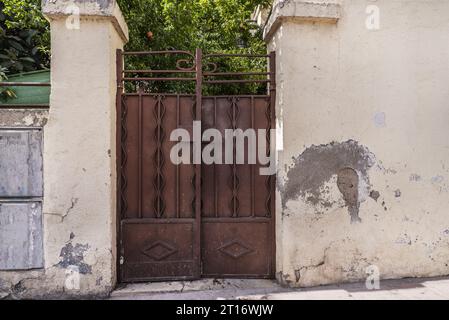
374,102
79,165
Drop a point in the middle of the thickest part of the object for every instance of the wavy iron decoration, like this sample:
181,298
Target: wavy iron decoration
159,180
232,77
180,67
180,61
193,179
234,113
214,66
124,156
268,152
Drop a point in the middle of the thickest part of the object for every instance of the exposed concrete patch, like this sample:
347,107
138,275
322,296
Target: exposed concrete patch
348,184
318,164
23,117
327,202
74,256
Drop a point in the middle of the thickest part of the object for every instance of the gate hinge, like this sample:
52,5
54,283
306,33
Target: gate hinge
122,260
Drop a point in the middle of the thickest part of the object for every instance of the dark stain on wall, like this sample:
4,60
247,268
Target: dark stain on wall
348,184
74,256
317,164
374,194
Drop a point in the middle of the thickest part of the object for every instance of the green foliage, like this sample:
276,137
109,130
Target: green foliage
222,26
213,25
24,36
5,93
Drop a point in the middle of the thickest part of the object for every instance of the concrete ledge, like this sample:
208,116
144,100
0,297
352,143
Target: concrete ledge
106,9
300,11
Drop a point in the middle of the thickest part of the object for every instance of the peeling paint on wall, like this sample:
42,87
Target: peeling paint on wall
316,166
348,184
23,118
73,255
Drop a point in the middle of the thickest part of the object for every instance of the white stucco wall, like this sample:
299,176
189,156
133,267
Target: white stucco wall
381,96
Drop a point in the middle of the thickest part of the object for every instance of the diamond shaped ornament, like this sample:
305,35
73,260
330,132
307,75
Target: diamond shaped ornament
159,250
235,249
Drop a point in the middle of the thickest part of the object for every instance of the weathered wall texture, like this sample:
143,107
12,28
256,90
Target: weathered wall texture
362,114
23,117
79,162
21,192
20,221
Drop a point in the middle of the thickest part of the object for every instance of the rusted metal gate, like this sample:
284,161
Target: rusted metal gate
189,221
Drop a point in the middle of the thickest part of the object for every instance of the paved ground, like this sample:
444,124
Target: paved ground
404,289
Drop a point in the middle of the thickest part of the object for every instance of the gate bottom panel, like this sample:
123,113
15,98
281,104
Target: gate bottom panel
162,249
236,247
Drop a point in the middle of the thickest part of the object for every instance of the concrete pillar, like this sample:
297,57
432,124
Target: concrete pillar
80,146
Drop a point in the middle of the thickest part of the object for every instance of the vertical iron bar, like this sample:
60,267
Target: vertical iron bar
215,168
177,167
272,93
159,154
199,100
234,167
193,179
159,182
159,179
139,156
119,75
252,187
235,179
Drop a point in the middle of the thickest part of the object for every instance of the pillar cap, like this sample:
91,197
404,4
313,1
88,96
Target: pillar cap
326,11
107,9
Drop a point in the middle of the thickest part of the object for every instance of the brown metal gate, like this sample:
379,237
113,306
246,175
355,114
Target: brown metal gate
189,221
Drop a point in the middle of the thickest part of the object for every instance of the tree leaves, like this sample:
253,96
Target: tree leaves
5,93
24,36
212,25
